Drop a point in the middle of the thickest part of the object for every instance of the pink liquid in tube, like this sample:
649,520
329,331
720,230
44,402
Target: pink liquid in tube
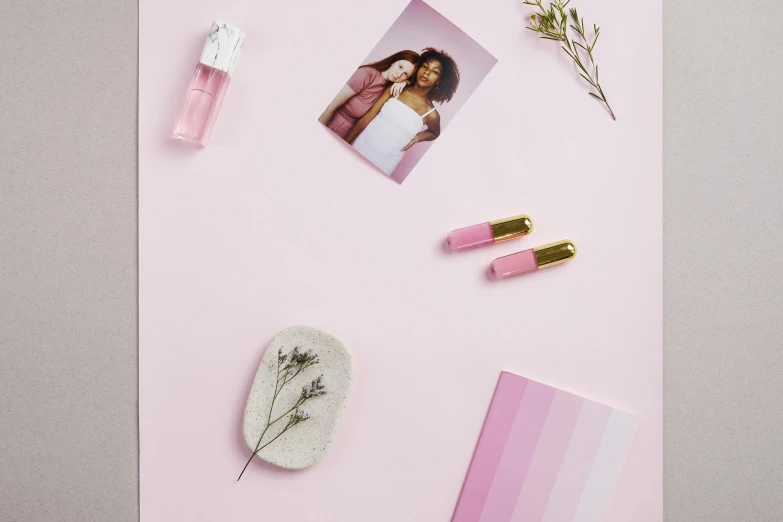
209,84
202,104
470,237
515,264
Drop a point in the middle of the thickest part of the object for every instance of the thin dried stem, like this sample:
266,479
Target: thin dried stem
552,23
292,363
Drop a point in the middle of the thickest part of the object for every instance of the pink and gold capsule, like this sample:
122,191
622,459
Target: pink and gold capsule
533,259
490,232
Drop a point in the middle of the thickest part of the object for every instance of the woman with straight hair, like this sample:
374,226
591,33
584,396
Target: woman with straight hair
365,86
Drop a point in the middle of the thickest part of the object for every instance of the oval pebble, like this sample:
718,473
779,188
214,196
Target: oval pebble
304,444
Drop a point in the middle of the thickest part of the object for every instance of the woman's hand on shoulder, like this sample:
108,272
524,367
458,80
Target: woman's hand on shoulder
397,88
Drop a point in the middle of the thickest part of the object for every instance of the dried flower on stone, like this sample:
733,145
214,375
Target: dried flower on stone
289,366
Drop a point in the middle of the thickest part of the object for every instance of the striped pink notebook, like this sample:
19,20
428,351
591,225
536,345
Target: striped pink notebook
544,455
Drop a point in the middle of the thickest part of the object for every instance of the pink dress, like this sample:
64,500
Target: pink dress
368,84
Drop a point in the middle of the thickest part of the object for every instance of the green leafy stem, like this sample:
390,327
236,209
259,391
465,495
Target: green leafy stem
553,24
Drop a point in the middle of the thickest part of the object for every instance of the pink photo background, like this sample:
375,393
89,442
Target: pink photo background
273,225
421,26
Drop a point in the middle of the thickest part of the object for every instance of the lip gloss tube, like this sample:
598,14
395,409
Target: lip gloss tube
490,232
533,259
209,83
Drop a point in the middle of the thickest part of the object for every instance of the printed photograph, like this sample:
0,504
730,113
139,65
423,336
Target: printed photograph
400,100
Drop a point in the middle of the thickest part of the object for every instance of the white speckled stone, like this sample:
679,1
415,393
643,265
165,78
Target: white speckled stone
304,444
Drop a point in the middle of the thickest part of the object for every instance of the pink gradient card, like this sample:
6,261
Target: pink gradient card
545,455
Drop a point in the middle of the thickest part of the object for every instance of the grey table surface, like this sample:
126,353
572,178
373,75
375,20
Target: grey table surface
68,270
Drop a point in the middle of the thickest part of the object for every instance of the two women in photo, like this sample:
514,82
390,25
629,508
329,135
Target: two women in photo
380,121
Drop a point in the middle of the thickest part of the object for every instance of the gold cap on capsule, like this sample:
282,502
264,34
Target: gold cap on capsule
555,253
511,227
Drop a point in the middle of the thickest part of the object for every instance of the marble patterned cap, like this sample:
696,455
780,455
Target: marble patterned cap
222,47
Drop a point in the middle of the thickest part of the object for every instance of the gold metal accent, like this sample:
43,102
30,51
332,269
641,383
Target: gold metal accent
511,227
555,253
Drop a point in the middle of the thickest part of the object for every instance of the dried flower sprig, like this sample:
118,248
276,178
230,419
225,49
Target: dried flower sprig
553,24
289,366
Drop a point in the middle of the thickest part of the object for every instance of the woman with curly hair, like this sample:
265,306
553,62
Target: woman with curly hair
394,124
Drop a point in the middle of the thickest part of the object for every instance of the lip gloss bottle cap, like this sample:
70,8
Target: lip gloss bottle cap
222,47
555,253
511,227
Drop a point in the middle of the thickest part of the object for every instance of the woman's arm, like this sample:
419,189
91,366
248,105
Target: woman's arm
431,133
345,94
365,120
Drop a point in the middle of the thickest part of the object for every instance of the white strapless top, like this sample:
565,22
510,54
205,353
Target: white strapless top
391,130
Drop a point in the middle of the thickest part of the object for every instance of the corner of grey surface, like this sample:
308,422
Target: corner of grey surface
723,121
70,334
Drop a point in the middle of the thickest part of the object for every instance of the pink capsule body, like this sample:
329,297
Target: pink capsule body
470,237
514,264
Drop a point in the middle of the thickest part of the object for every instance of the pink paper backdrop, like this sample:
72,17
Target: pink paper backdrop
421,26
273,225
